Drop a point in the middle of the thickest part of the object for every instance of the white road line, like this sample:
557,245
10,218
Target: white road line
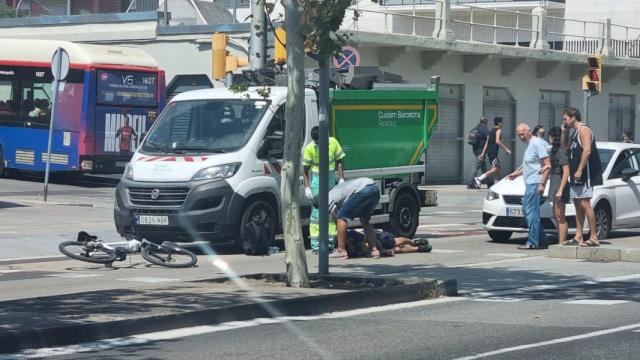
438,226
73,275
208,329
446,251
508,255
501,299
149,279
619,278
8,271
596,302
552,342
446,213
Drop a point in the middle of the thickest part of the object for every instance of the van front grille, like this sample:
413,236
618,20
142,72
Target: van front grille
158,196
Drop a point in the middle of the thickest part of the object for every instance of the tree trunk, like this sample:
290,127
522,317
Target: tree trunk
296,261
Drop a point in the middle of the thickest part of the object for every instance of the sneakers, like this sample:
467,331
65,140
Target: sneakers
425,248
477,182
420,241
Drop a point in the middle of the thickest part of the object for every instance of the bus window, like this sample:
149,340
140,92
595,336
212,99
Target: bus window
36,103
7,106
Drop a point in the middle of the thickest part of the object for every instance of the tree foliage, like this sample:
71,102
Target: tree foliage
320,21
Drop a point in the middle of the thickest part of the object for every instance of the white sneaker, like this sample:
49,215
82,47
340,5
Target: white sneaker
477,181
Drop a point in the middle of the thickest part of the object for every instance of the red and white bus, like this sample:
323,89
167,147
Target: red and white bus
110,98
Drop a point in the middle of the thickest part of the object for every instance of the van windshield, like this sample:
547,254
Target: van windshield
205,126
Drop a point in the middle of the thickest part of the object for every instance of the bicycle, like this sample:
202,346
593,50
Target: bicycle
88,248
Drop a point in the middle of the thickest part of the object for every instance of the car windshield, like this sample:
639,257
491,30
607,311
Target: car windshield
205,126
605,157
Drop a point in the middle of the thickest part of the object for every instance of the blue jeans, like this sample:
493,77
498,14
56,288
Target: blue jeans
531,209
361,204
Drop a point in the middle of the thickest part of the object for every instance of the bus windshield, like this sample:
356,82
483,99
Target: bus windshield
205,126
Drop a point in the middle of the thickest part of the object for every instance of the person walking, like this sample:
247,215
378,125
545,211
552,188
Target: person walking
311,178
477,139
627,135
535,168
585,172
559,183
491,148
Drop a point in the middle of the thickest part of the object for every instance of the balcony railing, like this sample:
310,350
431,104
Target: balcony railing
36,8
456,2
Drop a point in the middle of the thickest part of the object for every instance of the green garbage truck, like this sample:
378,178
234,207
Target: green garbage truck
211,162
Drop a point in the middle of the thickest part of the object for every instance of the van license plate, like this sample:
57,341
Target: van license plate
515,212
152,220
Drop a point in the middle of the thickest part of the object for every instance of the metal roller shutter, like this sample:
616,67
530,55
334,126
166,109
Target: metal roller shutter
621,115
444,156
550,109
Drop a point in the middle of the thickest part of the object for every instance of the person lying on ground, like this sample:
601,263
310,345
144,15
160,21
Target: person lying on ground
388,243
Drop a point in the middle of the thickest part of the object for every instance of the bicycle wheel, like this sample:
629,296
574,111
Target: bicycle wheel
79,251
168,255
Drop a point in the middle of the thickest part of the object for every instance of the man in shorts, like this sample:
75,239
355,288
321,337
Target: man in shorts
491,148
352,199
582,176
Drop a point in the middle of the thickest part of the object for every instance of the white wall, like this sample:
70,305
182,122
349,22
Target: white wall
523,84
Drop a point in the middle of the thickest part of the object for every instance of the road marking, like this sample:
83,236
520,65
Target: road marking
501,299
508,255
438,226
446,213
474,211
149,279
552,342
73,275
493,262
619,278
207,329
596,302
446,251
8,271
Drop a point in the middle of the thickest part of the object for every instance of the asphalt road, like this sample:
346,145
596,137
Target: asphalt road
542,324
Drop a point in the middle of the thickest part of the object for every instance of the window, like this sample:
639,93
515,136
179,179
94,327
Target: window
621,115
626,160
277,124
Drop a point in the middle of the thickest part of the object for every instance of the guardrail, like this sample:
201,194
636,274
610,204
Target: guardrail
576,36
494,26
394,21
625,41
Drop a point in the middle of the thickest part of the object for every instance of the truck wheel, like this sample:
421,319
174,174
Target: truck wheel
500,236
404,217
258,225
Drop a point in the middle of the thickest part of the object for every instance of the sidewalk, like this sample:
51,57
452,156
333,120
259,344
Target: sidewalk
620,249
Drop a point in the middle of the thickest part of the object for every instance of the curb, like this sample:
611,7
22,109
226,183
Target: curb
600,254
390,292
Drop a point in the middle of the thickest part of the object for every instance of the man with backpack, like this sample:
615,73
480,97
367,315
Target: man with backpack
477,138
491,148
585,172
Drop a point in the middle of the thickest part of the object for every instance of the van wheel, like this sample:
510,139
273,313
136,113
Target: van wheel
405,215
603,221
500,236
258,226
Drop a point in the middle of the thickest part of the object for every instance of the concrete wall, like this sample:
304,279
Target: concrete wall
523,84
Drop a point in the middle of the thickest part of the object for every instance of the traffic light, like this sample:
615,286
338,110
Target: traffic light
592,81
221,62
218,55
280,48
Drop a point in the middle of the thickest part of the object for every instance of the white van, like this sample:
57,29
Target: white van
210,164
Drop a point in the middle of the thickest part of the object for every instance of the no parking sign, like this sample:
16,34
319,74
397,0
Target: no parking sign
349,56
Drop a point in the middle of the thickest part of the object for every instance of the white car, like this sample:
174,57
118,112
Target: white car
616,202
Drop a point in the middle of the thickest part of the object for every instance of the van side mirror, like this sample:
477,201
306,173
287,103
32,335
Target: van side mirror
628,173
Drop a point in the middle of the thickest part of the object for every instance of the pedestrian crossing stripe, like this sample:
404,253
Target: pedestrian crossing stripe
73,275
501,299
595,302
149,279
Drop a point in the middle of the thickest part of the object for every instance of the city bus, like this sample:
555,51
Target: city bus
109,99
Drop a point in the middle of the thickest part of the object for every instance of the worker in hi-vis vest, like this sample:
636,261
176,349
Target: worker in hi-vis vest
311,162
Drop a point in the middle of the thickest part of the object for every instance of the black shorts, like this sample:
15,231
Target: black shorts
493,159
385,240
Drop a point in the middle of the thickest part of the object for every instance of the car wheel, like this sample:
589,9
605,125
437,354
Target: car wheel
257,226
500,236
603,221
405,215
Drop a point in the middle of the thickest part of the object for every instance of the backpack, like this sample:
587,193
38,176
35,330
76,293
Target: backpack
473,137
257,240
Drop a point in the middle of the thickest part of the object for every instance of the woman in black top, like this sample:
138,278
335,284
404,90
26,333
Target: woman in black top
559,182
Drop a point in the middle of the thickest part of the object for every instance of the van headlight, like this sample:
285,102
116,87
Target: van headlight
128,172
492,195
217,172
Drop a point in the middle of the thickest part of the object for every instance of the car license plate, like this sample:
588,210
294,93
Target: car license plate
152,220
515,212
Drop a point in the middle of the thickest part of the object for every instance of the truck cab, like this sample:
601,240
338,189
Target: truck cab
209,168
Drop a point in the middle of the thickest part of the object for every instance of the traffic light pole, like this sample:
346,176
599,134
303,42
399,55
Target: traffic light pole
585,107
323,147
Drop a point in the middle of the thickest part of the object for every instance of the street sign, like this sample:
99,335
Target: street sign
60,64
349,56
59,69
